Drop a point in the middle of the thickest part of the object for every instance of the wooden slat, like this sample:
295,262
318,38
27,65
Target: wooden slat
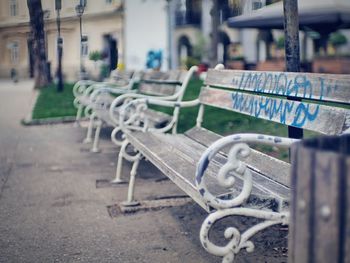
177,155
157,89
269,166
171,75
319,231
314,117
327,175
118,74
301,226
346,244
301,221
155,118
325,87
161,83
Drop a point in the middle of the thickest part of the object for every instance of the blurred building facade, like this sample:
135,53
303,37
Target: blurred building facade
102,29
193,30
181,31
146,34
240,48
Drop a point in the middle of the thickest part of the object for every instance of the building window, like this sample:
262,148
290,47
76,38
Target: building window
14,52
109,1
13,8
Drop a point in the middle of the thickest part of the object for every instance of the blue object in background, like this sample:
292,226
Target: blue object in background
154,59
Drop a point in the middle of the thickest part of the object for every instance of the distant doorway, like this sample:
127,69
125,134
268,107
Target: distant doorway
110,52
184,49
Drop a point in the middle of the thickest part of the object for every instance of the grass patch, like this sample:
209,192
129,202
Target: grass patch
221,121
52,104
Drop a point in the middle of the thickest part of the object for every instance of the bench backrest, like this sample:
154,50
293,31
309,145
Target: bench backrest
121,78
121,74
162,83
264,95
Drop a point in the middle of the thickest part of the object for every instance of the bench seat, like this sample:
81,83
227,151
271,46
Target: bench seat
177,156
262,163
156,118
227,176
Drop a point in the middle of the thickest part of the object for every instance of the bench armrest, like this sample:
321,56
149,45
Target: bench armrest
108,90
113,88
133,112
234,166
127,97
179,94
80,87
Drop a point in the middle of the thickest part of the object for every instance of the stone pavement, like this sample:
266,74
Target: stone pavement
51,211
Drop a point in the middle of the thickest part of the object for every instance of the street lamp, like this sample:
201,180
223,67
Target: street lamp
79,9
58,6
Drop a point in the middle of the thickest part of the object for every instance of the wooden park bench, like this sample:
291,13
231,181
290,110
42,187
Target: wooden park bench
223,174
121,81
170,85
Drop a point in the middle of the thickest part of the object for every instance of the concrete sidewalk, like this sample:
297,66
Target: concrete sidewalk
51,211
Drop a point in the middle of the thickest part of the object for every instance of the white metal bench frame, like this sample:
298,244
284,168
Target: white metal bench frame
316,117
155,89
82,90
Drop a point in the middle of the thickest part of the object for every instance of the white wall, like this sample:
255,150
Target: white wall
145,29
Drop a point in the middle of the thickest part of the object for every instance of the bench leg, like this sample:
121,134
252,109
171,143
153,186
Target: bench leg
79,107
130,201
118,173
238,240
95,148
78,117
88,138
121,156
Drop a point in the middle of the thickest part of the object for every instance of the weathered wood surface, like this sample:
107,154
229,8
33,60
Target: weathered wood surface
324,87
122,77
155,118
301,206
327,223
160,83
157,89
267,165
347,209
314,117
171,76
177,155
320,202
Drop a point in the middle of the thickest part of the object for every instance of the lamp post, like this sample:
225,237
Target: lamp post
46,20
58,5
79,9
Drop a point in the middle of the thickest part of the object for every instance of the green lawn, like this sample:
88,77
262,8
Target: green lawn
222,121
51,104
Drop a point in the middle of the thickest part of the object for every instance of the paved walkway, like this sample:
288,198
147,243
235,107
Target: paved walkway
50,209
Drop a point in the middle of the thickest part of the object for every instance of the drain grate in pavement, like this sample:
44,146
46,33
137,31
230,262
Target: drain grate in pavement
148,205
105,183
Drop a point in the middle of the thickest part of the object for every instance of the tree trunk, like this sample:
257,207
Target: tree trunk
39,47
